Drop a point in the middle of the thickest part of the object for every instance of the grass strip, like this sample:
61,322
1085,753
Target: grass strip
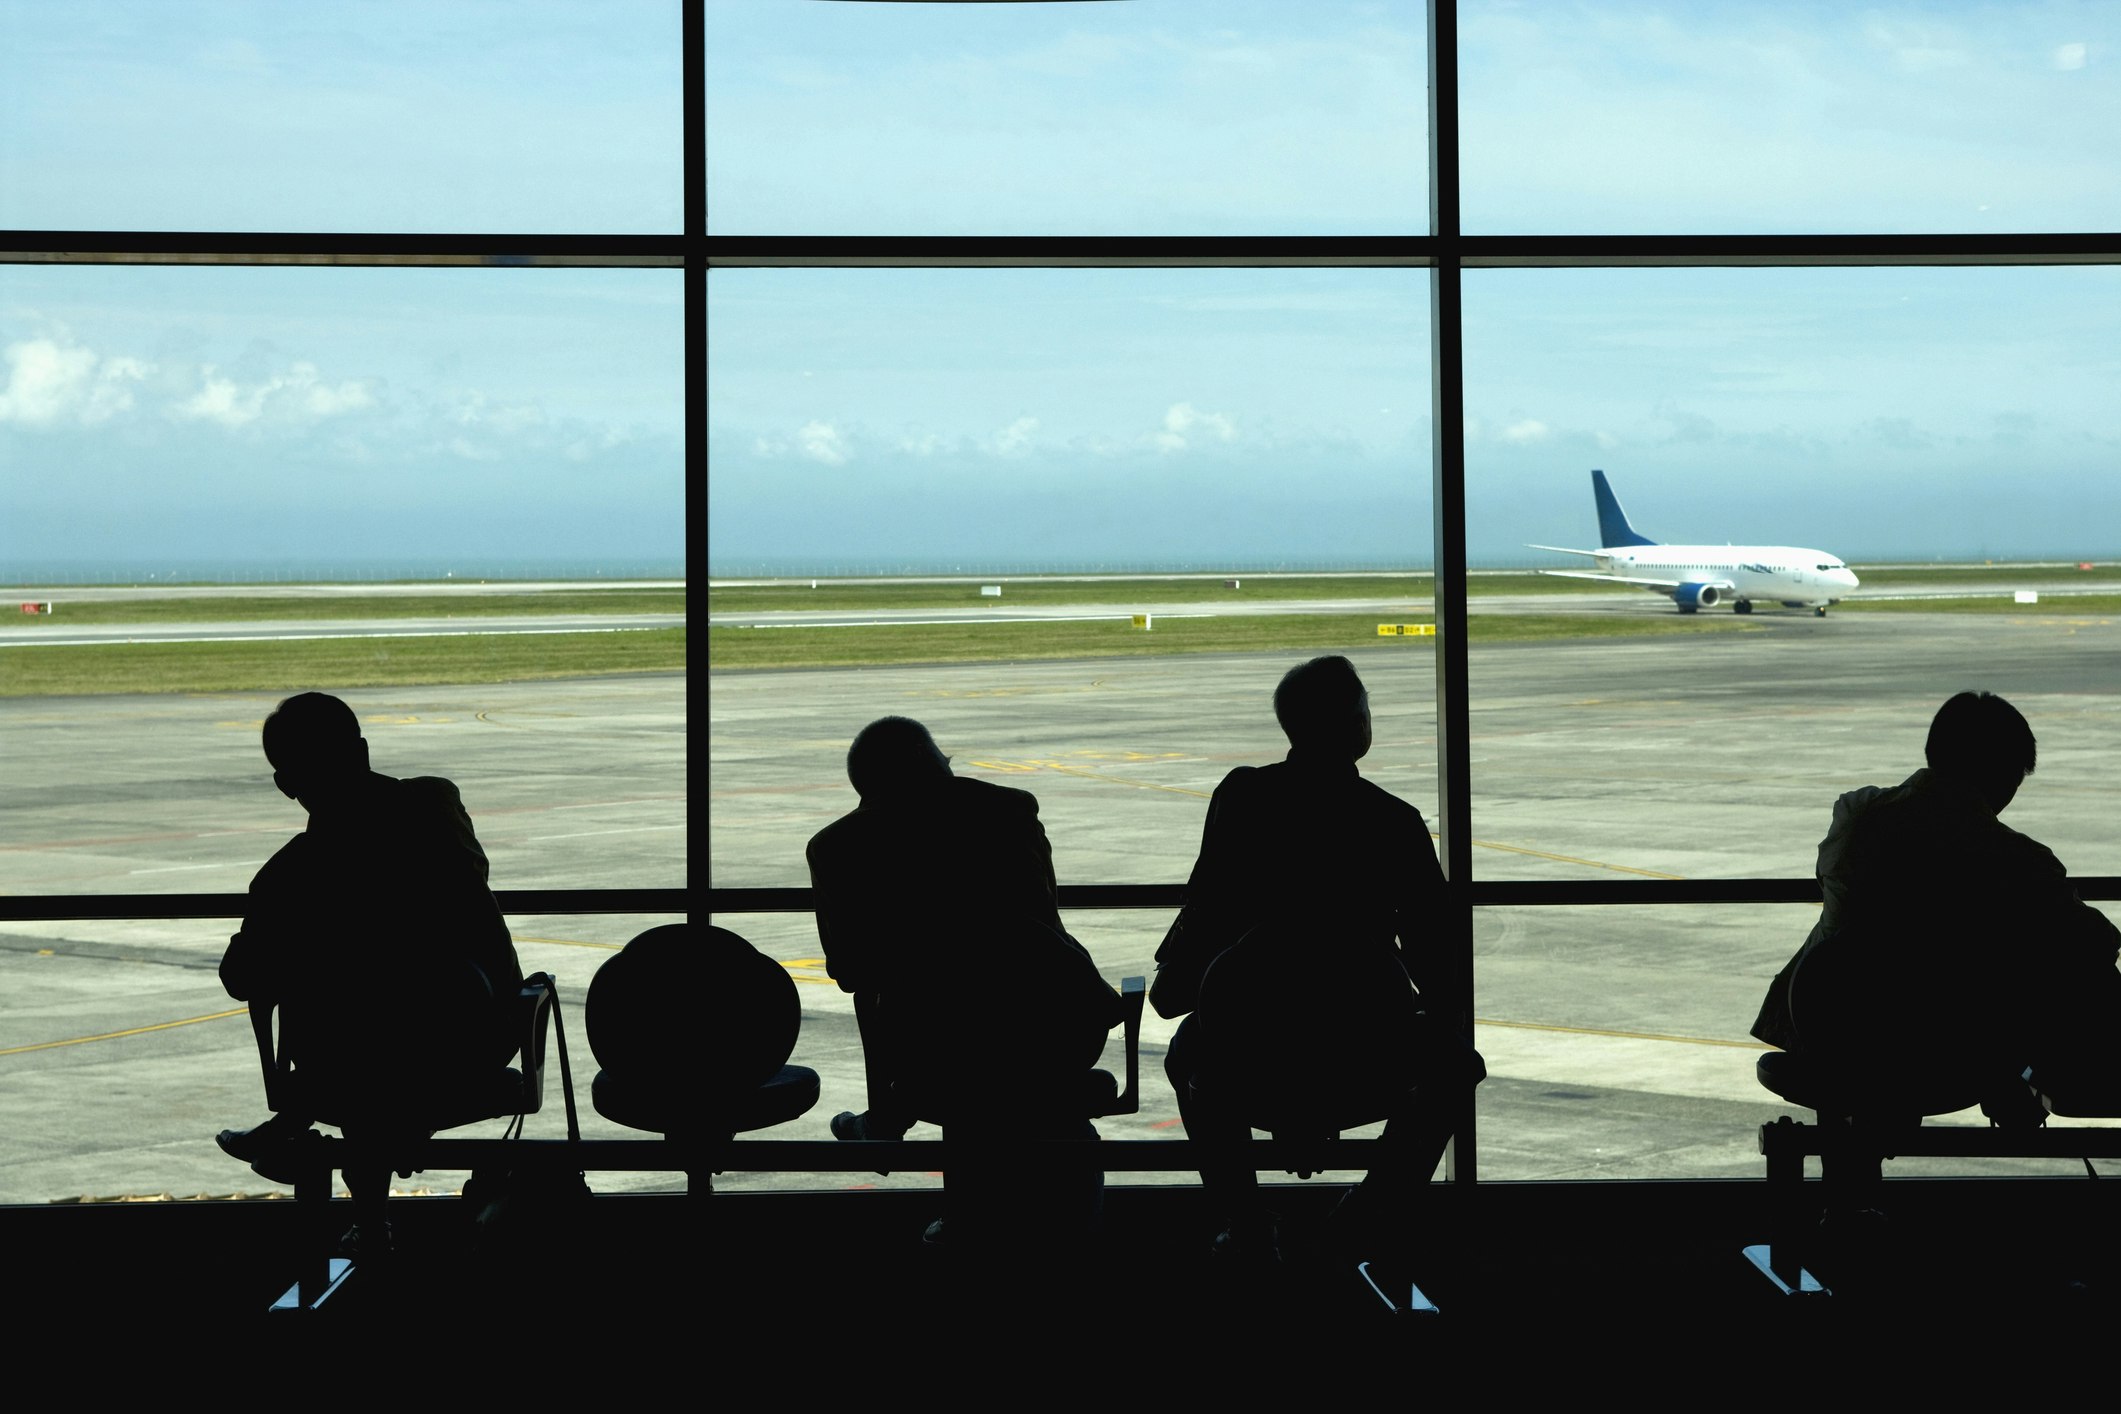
2067,606
213,608
1321,633
281,665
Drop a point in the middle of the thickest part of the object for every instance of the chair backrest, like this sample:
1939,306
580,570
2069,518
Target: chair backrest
535,1002
680,1008
502,1091
1308,1026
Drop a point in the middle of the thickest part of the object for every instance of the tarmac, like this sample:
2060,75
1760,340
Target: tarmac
1616,1038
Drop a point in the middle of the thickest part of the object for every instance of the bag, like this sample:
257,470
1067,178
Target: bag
519,1209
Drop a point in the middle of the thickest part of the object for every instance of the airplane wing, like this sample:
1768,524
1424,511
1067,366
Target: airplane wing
1723,584
1563,550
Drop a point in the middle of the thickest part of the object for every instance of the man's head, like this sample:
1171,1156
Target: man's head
315,746
1982,740
894,755
1323,708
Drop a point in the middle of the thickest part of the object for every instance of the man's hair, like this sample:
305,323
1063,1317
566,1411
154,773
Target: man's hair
1978,733
1319,701
892,753
311,729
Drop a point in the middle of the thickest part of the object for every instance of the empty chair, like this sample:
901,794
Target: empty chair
692,1030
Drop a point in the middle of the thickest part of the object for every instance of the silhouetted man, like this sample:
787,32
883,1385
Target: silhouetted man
376,934
936,902
1329,882
1947,939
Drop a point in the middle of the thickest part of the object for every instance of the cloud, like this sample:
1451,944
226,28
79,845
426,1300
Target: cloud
297,394
54,381
1920,49
821,442
2071,56
1529,429
1184,424
1015,439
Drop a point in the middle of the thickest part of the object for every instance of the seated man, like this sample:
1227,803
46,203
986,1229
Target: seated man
937,907
388,872
1946,936
1328,880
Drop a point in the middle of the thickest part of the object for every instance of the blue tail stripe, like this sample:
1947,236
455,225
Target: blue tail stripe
1613,527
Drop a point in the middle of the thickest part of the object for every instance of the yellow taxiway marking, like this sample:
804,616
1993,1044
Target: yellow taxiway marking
121,1035
569,942
1621,1035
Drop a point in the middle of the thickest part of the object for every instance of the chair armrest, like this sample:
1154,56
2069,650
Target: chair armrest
1133,991
268,1061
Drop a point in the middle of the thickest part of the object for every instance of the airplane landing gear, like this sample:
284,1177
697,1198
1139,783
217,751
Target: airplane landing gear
1742,606
1820,611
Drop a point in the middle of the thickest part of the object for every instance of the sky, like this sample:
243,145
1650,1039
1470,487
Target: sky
180,420
988,420
998,419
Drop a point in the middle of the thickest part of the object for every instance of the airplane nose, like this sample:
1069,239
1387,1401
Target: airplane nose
1848,577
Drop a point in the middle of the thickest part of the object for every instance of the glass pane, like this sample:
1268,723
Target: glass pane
1617,1045
125,1056
1201,117
1032,460
1805,117
390,115
1941,431
441,494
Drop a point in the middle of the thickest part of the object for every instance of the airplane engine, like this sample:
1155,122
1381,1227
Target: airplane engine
1690,597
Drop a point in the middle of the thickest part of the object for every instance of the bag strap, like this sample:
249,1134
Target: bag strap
559,1034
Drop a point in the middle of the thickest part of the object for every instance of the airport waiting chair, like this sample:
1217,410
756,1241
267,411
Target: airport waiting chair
692,1032
1858,1109
501,1091
1316,1059
1032,1080
1092,1093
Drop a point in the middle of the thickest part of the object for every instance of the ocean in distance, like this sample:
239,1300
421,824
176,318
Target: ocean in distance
373,569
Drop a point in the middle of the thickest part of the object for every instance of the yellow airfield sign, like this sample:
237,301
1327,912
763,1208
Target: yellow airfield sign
1406,630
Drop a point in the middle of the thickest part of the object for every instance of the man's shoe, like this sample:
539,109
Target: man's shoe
855,1128
274,1150
251,1144
369,1241
1254,1242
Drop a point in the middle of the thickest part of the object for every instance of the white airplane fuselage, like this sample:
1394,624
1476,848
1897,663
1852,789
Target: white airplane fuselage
1696,577
1783,574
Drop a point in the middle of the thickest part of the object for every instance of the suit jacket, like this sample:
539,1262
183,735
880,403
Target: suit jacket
942,904
1940,923
1312,847
395,873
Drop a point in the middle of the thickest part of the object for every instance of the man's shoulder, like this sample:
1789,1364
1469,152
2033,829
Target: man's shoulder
977,794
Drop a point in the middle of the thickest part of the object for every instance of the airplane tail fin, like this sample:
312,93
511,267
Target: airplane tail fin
1613,527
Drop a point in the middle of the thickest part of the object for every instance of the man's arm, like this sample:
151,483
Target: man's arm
838,930
254,965
1203,927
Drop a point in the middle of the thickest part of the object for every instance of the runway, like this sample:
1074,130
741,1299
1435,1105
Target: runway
120,1055
1616,1037
48,633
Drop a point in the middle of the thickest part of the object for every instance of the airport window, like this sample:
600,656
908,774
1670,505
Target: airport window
419,409
1755,378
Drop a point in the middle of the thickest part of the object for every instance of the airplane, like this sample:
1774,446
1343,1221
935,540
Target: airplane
1702,576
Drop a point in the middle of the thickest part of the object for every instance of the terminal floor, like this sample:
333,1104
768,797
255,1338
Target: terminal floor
1531,1268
